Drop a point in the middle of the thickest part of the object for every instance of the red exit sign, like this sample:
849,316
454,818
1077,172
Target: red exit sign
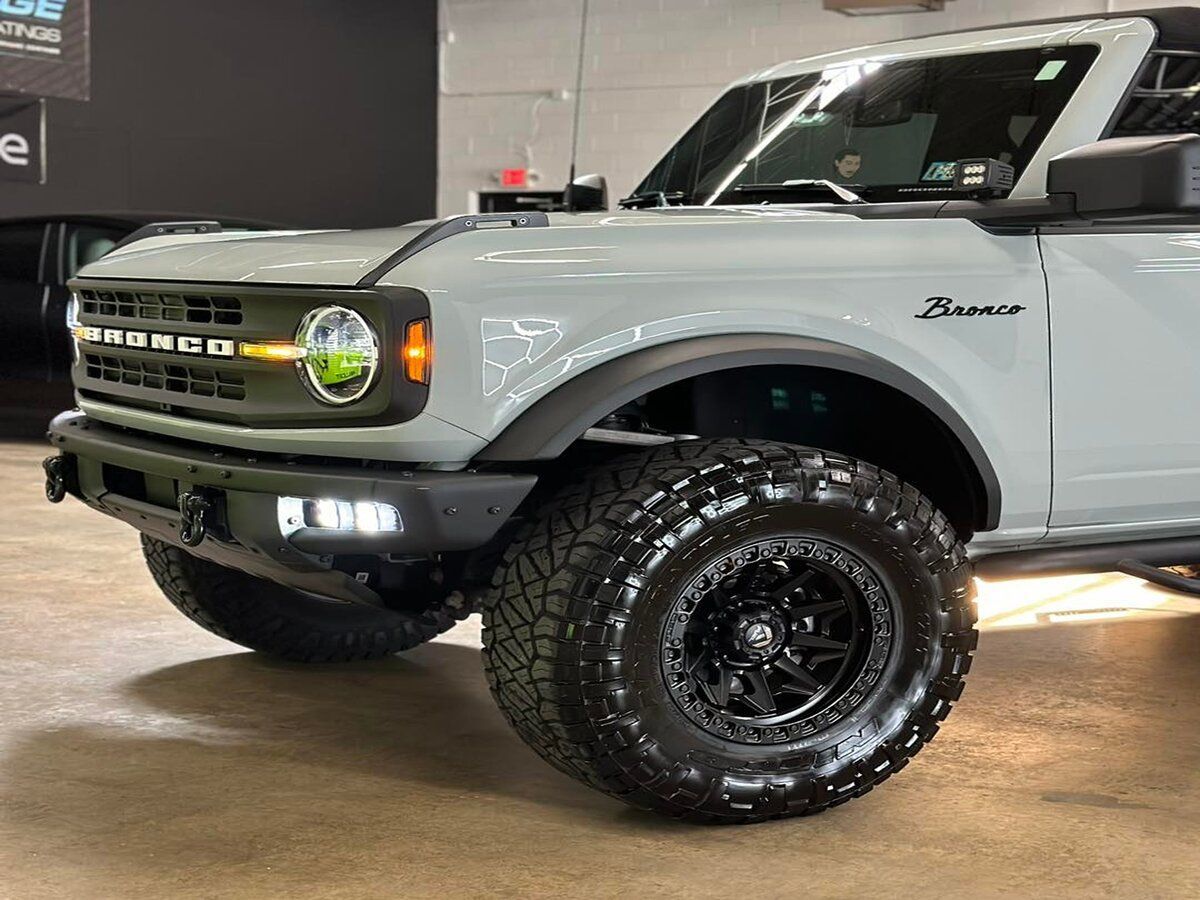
514,178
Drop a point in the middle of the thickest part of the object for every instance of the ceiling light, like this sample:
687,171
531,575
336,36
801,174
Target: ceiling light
883,7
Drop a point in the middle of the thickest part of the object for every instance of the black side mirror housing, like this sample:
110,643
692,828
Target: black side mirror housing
1130,177
587,193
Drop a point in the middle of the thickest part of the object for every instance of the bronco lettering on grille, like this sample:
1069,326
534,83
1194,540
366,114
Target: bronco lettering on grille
143,340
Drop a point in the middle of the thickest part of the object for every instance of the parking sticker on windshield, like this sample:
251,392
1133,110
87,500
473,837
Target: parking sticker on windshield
1050,70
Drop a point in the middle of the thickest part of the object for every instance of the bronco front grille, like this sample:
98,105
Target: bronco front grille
200,309
179,379
160,373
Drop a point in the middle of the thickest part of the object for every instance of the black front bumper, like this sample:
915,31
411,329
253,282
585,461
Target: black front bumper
139,478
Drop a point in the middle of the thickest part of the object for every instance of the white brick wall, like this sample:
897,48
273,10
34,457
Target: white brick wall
652,66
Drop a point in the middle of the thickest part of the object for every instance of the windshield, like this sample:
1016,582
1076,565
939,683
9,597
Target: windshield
889,130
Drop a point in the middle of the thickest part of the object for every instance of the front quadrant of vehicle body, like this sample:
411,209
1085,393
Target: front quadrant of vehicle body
639,279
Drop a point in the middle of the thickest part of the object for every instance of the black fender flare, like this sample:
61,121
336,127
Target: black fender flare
560,418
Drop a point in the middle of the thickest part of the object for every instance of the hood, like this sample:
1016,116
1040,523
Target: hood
274,257
343,258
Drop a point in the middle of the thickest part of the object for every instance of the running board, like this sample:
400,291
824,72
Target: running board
1089,558
1170,580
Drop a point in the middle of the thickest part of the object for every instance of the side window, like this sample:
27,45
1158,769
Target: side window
21,252
1165,100
87,243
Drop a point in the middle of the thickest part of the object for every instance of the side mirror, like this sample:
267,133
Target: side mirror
587,193
1128,177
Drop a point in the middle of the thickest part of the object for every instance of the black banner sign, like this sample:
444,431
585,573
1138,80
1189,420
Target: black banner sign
23,140
44,48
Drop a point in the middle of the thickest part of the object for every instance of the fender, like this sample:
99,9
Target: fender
561,417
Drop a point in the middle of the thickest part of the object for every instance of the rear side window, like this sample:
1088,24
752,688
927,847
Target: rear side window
21,252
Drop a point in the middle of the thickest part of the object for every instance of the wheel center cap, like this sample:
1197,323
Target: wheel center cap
758,635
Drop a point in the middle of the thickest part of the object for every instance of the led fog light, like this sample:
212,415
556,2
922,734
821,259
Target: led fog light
337,515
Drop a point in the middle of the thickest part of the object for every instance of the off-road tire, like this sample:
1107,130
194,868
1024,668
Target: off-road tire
278,621
580,596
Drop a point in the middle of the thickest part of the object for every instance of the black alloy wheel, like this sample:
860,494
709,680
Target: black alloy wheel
766,639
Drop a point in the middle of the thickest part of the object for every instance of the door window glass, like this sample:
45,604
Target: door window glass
1165,101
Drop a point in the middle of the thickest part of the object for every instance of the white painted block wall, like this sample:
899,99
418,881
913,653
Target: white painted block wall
651,67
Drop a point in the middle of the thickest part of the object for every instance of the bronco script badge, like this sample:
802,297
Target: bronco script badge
943,306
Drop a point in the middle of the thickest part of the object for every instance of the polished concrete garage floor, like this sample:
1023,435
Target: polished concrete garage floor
140,757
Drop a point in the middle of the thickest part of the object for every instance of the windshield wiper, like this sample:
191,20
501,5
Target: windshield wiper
803,186
653,200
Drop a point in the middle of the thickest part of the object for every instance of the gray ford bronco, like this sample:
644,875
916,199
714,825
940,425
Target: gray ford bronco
716,466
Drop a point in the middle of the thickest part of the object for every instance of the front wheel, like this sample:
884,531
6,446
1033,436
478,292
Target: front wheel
731,631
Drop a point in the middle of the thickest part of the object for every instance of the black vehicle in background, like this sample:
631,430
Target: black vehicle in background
37,256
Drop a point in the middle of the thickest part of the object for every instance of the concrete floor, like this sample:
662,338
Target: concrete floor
141,757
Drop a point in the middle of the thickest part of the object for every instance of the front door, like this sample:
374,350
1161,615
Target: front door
1125,360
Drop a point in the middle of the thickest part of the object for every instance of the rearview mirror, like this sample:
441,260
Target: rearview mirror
1129,177
587,193
880,113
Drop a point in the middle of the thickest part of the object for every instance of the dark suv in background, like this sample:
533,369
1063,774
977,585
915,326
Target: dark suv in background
37,256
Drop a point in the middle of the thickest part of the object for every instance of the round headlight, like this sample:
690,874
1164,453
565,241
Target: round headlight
341,354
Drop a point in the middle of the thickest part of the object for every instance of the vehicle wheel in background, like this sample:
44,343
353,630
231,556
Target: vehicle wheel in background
282,622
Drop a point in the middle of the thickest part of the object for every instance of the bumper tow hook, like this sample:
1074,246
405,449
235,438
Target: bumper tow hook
193,507
56,477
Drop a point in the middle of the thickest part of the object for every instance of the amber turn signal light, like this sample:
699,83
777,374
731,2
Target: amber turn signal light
417,352
272,351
